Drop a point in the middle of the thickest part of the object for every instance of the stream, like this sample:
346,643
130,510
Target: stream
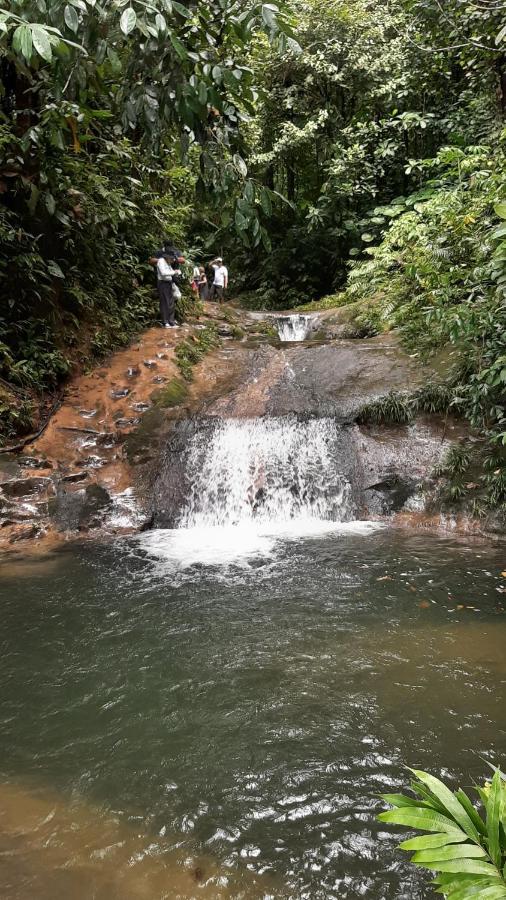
211,707
225,724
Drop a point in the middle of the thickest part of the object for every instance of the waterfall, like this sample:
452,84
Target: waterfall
293,328
265,471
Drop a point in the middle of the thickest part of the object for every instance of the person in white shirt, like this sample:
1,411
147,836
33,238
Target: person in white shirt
165,275
220,282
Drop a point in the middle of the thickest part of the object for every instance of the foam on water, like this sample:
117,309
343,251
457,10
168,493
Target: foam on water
215,546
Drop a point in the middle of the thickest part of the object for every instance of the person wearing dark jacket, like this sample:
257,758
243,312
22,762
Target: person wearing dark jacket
169,249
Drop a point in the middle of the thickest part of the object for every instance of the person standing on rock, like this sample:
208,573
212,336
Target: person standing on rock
165,282
202,285
220,281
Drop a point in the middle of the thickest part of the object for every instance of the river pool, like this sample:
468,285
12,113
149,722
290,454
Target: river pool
221,728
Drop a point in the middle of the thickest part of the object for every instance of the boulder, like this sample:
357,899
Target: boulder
23,487
80,510
23,533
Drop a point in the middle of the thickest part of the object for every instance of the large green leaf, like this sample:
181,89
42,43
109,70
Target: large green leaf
424,819
425,841
469,866
493,819
401,800
22,41
449,801
471,811
128,20
458,851
41,42
71,18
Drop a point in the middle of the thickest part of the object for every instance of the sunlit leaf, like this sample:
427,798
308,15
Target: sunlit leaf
41,42
128,20
71,18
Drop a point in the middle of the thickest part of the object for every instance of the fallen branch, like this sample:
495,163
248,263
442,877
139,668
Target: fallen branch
81,430
15,448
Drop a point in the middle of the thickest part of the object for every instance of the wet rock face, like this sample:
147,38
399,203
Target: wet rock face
22,487
386,468
389,495
495,523
397,462
33,462
171,485
81,509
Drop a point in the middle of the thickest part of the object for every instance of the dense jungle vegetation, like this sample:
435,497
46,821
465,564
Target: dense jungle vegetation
344,150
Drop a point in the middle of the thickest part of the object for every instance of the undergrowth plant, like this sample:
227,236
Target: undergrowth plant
464,844
190,351
439,277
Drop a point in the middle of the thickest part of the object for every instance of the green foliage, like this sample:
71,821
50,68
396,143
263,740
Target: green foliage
393,409
190,351
340,129
329,301
173,394
439,275
79,284
465,845
113,118
397,409
16,414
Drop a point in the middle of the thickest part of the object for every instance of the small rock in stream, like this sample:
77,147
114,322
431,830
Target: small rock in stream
74,476
225,330
23,533
141,407
34,462
133,372
120,393
127,423
107,439
92,462
87,413
159,379
150,363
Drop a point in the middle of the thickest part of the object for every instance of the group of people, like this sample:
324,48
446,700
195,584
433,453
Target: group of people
219,282
168,261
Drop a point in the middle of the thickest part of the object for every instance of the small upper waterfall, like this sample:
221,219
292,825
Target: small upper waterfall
267,471
293,328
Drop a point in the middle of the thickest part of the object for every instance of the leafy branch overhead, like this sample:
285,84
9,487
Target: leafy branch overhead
466,849
174,65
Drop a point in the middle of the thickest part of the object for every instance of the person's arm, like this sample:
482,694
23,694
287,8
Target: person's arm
225,278
164,270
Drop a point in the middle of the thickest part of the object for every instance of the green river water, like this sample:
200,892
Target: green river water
172,729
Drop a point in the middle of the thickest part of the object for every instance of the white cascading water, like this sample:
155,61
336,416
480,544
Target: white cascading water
251,483
293,328
265,471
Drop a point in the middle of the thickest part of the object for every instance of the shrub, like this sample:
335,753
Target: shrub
466,846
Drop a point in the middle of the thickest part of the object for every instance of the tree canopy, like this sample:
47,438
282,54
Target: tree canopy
345,148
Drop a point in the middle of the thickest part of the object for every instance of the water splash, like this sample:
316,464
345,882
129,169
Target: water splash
293,328
263,471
